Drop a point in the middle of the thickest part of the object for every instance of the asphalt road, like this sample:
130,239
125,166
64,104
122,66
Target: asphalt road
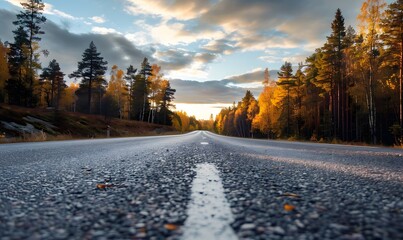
180,187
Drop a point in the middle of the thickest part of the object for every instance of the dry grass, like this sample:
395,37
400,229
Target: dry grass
73,126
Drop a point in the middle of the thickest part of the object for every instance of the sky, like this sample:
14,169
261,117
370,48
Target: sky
212,51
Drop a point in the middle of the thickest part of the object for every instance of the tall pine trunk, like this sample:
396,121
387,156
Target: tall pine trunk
401,81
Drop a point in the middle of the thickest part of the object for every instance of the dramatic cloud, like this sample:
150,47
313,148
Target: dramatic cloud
221,46
189,38
67,48
178,9
245,25
278,55
254,76
208,92
268,23
174,33
185,63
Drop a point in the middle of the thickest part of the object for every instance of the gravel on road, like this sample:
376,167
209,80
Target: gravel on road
140,188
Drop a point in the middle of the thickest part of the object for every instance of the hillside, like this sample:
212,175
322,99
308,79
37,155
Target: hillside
28,124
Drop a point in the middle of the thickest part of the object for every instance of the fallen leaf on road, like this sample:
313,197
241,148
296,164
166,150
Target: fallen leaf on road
104,186
170,227
288,207
290,195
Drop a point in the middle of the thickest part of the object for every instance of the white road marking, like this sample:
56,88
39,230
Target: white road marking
204,143
209,213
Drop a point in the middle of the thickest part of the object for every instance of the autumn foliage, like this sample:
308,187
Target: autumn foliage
350,89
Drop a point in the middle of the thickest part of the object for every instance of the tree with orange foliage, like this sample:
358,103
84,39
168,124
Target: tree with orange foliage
118,91
184,123
265,119
69,98
369,62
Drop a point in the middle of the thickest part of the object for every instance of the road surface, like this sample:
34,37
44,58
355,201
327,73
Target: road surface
197,186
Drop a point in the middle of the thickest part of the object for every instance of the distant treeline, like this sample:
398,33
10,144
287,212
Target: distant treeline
142,95
350,89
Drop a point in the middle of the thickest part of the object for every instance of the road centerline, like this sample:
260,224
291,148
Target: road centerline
209,213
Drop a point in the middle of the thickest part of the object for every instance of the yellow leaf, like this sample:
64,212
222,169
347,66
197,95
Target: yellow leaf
288,207
170,227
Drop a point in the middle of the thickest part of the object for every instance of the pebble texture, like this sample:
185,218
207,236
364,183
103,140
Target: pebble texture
139,188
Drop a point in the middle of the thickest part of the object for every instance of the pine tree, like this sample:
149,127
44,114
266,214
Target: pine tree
298,93
130,79
392,36
286,81
143,86
139,93
266,77
337,45
17,86
91,70
312,99
155,98
331,77
52,78
30,21
167,98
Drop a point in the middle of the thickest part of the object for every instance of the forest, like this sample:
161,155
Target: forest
137,94
348,90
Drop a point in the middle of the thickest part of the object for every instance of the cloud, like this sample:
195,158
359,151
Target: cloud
67,47
254,76
208,92
184,37
103,30
49,9
244,25
116,48
220,46
178,9
256,17
174,59
180,62
7,27
63,14
171,33
16,2
138,38
278,55
97,19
